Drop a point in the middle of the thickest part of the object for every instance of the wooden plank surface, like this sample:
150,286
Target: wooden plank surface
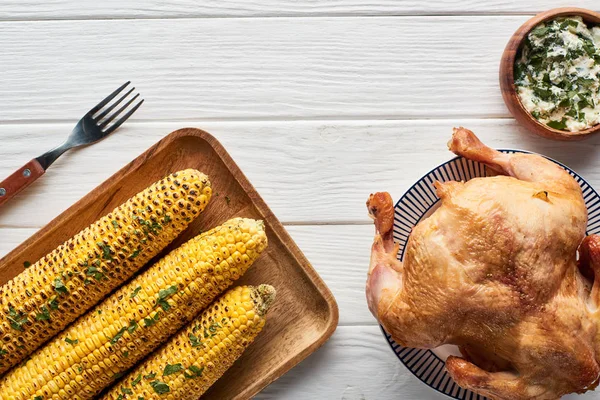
258,68
320,102
309,172
306,314
339,253
63,9
357,364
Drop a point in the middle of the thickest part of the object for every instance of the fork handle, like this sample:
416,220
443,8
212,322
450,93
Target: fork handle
20,179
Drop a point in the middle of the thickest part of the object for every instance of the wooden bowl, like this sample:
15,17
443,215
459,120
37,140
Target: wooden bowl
507,82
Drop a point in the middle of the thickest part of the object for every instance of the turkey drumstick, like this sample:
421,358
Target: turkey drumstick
494,270
526,167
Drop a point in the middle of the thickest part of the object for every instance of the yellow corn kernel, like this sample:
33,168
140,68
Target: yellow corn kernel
122,339
191,361
54,291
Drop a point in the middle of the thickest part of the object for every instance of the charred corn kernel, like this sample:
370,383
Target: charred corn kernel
191,361
132,322
53,292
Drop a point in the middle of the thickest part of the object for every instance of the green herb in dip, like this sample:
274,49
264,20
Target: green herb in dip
557,74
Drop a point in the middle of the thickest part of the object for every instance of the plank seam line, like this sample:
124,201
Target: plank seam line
272,119
274,16
290,223
359,324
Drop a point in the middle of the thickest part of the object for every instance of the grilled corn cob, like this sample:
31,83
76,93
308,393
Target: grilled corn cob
53,292
91,353
190,362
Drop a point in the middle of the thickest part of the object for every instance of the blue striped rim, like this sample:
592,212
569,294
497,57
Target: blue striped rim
409,210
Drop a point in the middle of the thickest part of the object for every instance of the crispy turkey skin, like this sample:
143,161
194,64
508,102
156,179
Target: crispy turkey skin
494,270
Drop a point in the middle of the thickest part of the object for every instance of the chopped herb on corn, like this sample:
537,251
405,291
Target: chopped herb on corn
53,292
173,291
188,371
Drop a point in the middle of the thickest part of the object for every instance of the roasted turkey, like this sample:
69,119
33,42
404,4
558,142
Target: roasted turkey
495,271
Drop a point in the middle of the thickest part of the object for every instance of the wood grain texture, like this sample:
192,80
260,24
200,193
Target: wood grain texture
507,82
307,171
357,364
260,73
63,9
305,314
339,254
12,237
258,68
20,180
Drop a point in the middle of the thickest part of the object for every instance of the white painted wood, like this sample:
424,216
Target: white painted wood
339,253
355,364
307,171
258,68
319,102
12,237
63,9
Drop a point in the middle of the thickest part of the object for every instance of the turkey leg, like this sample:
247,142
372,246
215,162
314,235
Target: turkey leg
384,280
526,167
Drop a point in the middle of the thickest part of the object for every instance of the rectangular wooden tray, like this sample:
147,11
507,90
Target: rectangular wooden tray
305,313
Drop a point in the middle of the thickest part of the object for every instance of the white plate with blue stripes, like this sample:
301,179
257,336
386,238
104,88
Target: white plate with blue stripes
418,203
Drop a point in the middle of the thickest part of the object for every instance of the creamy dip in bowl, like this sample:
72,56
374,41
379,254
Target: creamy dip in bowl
557,74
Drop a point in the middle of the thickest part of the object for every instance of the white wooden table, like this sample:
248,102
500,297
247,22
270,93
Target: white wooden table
321,102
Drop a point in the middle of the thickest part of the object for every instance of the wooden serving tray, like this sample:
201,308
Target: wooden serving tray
304,314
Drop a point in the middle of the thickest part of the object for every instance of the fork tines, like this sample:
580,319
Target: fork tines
103,116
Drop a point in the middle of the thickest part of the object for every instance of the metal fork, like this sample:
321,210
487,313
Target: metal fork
97,124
